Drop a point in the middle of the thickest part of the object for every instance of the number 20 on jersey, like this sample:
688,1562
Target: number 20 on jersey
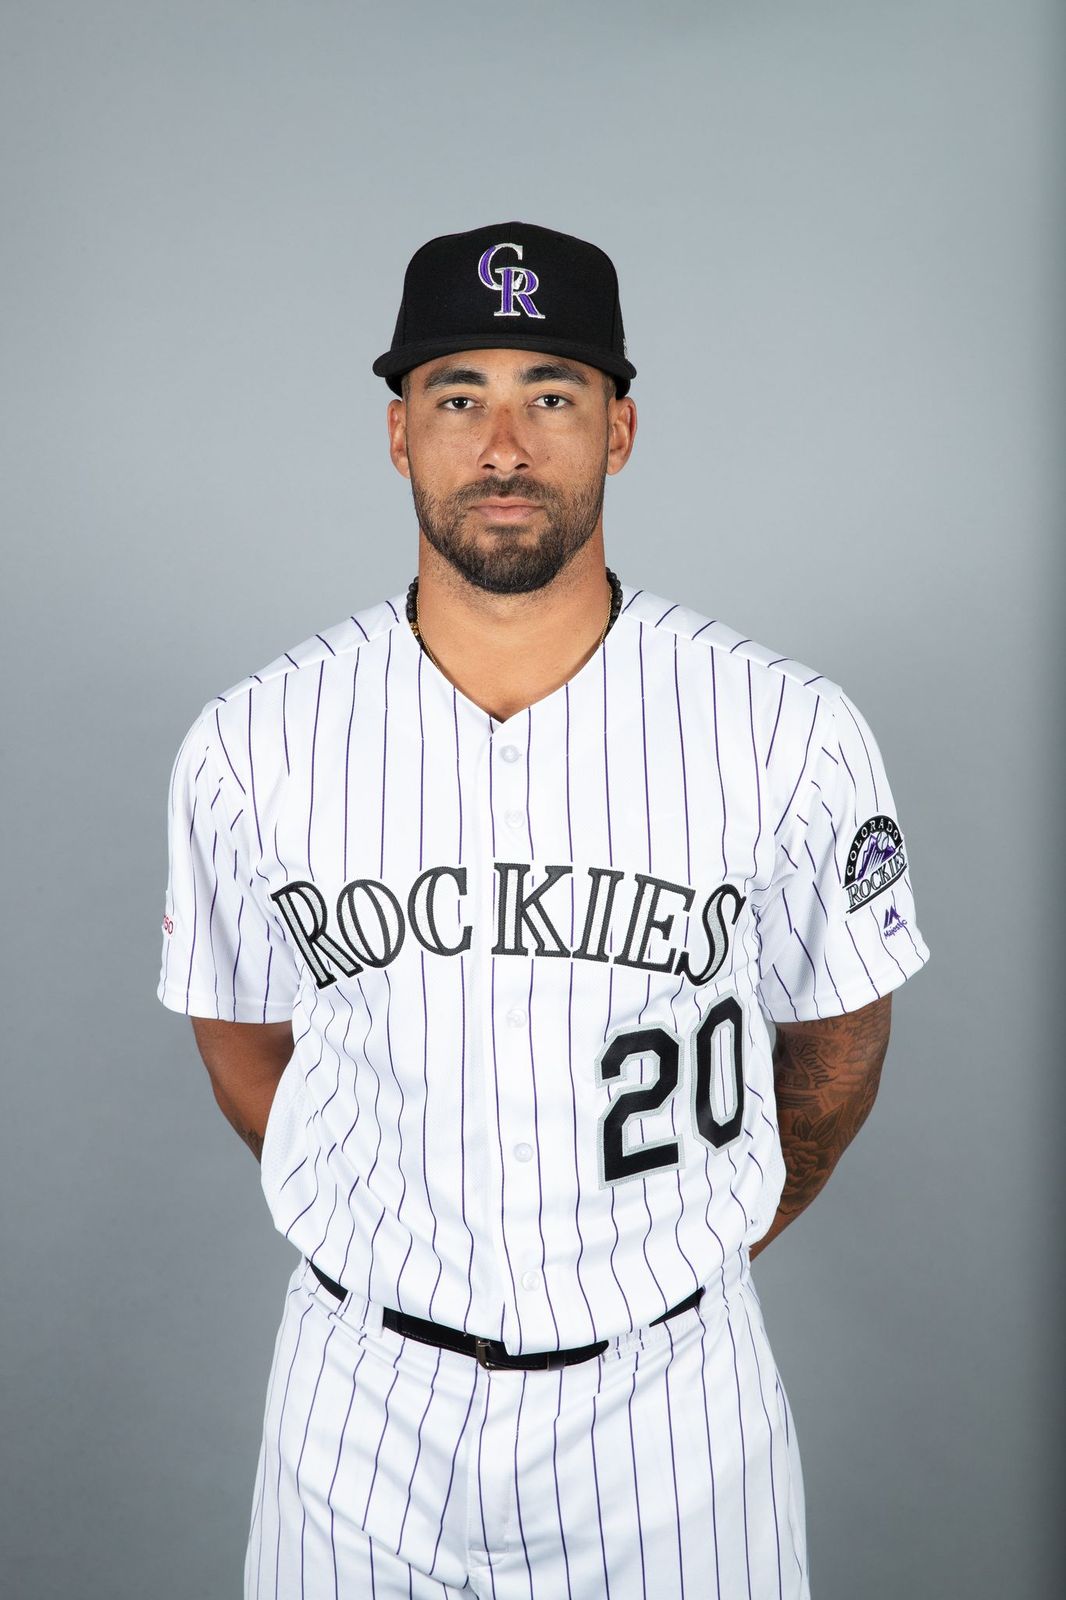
713,1126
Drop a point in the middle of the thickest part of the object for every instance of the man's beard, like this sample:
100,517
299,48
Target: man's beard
504,560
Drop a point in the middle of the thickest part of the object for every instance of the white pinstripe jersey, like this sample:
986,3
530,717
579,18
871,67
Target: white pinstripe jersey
529,963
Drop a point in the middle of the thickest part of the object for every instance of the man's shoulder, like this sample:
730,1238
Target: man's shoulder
338,644
694,631
342,639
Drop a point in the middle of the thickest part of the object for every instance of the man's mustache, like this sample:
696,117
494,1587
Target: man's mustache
504,489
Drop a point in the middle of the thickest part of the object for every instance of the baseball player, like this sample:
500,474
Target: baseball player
482,903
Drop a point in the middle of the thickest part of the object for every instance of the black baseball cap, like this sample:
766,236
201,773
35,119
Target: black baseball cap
510,286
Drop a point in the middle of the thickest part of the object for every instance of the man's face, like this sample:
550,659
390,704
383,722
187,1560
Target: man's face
507,452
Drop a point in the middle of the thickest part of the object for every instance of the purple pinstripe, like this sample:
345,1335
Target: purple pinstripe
758,787
347,764
783,1407
570,1027
451,1474
192,945
647,995
503,1164
459,779
777,720
418,1449
225,752
303,1447
673,1462
381,1436
251,781
770,1432
517,1490
358,1108
257,1509
718,762
825,914
784,986
211,914
710,1452
555,1480
743,1450
480,1484
237,952
802,770
866,749
596,1487
636,1486
281,1424
425,1114
384,754
462,1139
540,1174
794,931
314,743
270,963
610,975
399,1133
336,1470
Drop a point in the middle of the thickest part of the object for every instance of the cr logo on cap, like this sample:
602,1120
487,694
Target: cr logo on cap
516,285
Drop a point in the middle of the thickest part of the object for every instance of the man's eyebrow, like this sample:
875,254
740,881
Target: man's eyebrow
553,372
445,376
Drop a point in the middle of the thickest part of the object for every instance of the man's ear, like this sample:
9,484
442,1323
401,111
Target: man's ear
397,424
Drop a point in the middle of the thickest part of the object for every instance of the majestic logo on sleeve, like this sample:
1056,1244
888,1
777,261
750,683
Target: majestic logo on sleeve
516,286
875,861
371,922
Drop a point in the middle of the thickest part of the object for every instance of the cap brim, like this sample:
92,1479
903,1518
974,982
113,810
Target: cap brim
394,363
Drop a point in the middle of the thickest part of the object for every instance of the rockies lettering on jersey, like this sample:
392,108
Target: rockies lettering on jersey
304,910
530,965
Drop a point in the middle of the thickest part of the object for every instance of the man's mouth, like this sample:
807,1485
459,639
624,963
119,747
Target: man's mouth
505,510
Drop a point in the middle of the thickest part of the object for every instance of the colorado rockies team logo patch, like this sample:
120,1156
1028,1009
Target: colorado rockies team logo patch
875,861
516,286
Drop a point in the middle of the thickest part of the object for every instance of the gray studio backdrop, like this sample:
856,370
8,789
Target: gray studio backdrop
838,237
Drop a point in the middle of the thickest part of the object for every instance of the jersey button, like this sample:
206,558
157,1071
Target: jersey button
523,1152
516,1017
510,752
515,819
531,1280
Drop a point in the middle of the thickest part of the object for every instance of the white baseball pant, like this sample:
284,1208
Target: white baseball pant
665,1469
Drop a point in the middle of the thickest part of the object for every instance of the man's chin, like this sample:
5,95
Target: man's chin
502,568
507,580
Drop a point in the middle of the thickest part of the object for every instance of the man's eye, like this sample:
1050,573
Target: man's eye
552,402
456,402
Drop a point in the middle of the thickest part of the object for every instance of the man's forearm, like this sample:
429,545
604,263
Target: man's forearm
826,1077
244,1061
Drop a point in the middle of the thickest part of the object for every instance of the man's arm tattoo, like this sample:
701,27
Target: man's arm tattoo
826,1079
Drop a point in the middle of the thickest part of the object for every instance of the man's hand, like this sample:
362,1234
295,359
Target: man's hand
244,1061
826,1076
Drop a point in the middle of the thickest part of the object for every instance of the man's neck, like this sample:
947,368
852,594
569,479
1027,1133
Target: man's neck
504,652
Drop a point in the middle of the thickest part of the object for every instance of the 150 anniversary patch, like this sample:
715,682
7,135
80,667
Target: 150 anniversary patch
875,861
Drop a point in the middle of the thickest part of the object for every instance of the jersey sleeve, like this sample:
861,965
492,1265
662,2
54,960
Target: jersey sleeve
222,956
837,929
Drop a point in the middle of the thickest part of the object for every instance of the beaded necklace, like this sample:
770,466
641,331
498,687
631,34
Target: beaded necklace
612,614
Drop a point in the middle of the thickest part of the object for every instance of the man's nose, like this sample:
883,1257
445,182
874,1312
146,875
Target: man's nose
504,451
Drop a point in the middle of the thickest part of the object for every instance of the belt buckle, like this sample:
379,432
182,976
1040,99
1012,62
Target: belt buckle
483,1356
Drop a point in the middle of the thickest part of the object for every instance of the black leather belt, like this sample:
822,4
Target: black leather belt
491,1353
